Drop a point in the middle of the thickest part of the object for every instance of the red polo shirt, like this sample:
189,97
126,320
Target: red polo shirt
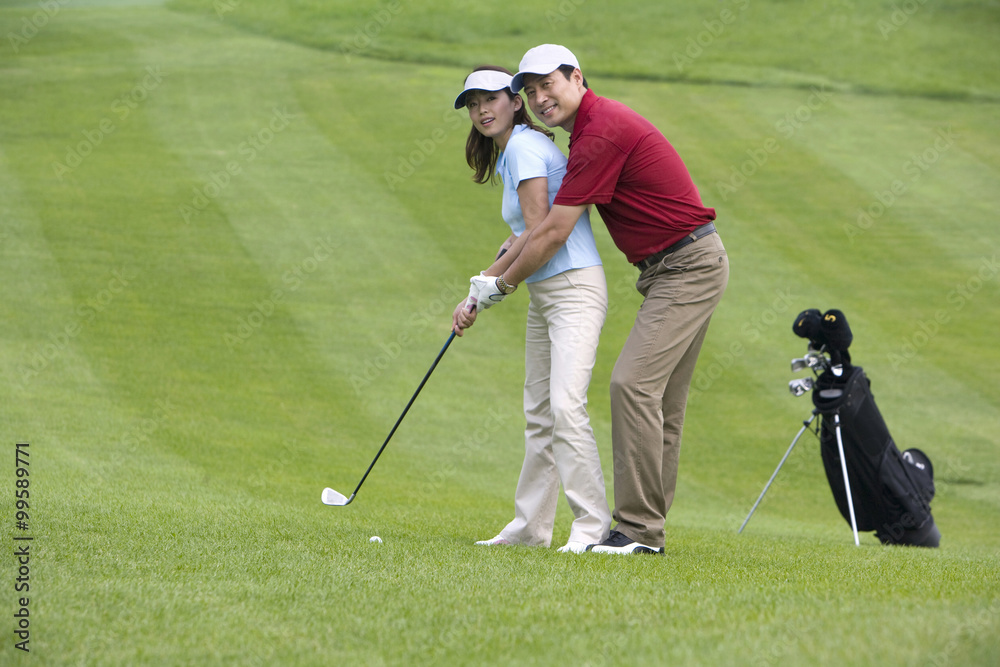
619,161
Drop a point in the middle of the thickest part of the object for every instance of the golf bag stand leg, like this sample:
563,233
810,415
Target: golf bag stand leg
802,430
847,483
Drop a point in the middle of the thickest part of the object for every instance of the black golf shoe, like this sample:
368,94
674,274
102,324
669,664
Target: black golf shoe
619,543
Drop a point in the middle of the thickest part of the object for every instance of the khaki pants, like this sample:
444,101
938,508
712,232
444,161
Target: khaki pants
650,381
565,318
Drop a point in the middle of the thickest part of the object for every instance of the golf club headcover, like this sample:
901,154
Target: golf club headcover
837,334
483,292
836,330
808,324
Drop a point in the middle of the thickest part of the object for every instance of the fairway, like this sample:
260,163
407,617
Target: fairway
232,234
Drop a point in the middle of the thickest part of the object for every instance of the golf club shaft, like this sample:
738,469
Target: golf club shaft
405,410
847,482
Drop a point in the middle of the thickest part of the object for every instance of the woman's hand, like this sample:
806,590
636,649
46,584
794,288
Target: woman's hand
463,317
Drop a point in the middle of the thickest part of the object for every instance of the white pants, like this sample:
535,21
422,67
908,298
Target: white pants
565,318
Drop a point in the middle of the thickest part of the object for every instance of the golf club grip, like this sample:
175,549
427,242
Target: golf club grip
405,410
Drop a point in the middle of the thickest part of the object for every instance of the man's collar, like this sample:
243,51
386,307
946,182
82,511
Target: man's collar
583,112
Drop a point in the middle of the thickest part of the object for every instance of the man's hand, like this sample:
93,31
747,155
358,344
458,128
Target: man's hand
463,317
483,292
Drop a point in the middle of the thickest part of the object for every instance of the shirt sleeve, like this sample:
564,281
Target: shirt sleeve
595,164
525,159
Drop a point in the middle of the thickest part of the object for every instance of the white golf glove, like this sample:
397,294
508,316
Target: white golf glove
484,292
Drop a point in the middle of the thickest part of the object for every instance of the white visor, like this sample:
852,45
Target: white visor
486,79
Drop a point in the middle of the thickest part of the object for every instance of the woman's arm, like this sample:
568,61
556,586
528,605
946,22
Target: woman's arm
534,196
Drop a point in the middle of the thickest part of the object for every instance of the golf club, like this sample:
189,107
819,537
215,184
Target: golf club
337,499
813,360
799,365
800,386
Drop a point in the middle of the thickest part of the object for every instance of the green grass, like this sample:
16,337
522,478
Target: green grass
224,305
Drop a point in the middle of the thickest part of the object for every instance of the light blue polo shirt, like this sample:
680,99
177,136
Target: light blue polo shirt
531,154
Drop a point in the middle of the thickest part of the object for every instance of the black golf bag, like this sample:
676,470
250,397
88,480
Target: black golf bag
891,491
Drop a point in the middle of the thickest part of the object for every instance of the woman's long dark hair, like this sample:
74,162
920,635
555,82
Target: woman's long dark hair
481,152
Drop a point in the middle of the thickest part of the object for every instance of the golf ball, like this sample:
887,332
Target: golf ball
375,538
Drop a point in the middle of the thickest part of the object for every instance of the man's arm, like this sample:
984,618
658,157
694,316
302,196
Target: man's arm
533,194
541,243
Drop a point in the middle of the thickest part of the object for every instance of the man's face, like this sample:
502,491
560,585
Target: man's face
553,98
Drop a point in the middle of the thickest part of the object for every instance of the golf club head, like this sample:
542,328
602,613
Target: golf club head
799,365
335,498
815,360
800,386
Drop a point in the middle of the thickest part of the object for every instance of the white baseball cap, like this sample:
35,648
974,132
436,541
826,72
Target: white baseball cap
485,79
543,59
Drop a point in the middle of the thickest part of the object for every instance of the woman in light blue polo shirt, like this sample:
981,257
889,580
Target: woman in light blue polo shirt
568,304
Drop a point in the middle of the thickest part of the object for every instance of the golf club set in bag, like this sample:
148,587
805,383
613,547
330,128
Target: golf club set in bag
876,487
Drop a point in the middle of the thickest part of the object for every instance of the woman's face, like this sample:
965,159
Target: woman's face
492,112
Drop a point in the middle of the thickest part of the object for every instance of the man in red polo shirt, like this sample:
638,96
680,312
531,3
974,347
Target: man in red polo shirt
621,163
